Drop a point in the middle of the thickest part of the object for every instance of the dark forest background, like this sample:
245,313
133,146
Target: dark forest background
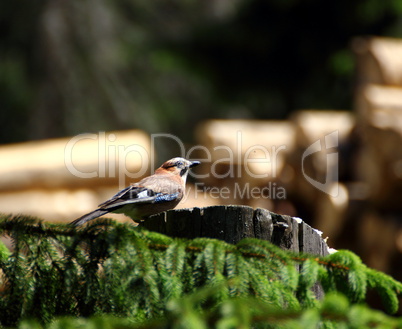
68,67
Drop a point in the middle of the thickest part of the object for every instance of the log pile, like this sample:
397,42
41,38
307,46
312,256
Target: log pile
378,165
63,178
295,177
247,159
379,107
360,206
317,186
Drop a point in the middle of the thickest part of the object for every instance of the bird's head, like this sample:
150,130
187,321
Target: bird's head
178,166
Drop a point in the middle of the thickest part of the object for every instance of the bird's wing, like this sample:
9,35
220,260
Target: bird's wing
136,195
158,189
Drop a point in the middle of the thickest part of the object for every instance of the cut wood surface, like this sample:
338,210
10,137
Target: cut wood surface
379,60
318,134
312,125
252,151
379,160
375,104
82,160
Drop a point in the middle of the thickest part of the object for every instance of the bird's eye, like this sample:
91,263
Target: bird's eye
180,164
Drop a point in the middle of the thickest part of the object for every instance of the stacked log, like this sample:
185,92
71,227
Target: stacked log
317,163
379,60
62,178
381,156
378,169
246,159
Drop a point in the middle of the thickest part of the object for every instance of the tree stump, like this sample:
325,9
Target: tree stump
233,223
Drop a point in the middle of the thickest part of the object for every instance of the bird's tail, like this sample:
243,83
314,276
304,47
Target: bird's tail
86,218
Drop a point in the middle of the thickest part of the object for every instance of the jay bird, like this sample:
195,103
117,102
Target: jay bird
153,194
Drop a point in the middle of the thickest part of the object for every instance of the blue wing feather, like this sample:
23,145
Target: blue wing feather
166,197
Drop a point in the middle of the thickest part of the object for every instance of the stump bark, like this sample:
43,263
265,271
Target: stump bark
233,223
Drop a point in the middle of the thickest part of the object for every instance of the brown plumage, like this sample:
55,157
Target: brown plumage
153,194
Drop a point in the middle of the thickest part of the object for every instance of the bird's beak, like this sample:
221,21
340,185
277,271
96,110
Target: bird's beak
194,163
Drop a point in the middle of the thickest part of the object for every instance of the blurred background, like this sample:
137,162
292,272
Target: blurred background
282,72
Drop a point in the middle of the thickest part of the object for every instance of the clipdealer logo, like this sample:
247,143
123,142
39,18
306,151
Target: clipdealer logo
239,191
237,161
329,144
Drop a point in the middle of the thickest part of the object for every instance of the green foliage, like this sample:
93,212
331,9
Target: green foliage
4,252
150,280
335,311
